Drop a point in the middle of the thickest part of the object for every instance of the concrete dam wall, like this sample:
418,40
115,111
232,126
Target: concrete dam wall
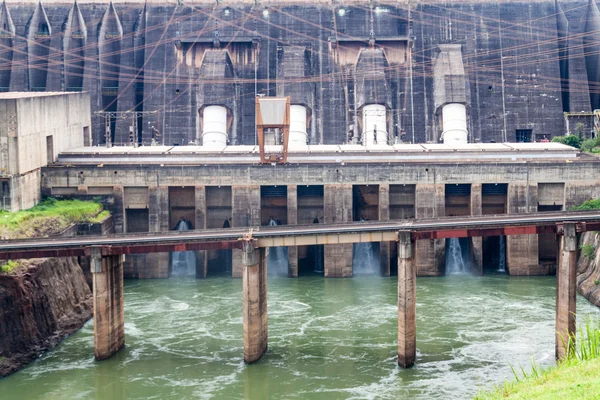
514,66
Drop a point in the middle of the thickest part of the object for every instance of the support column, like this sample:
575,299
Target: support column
337,207
522,250
246,213
476,242
254,297
384,215
566,290
200,223
292,219
407,302
109,312
430,202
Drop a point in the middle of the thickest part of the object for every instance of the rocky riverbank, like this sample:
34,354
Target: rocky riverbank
41,302
588,267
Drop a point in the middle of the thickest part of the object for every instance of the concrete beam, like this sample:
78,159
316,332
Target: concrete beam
566,291
334,238
109,312
407,302
254,298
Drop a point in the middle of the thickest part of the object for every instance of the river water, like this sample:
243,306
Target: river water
328,339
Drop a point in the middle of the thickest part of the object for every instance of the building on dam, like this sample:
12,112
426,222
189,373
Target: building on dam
397,110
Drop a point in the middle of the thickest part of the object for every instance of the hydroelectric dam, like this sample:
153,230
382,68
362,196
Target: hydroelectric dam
342,199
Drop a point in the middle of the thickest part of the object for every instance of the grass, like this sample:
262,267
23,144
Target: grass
578,377
588,251
9,267
48,217
100,217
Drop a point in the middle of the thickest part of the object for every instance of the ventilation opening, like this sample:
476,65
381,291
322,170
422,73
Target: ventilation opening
49,149
86,136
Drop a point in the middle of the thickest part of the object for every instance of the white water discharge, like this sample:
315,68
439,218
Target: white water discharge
455,262
365,260
277,259
502,256
183,263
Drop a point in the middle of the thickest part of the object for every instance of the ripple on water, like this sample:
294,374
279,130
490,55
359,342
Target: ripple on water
327,339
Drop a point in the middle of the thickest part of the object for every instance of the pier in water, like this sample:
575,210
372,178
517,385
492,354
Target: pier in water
328,339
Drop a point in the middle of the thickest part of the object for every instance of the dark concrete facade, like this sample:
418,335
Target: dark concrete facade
523,62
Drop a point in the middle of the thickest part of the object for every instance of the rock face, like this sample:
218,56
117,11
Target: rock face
40,304
588,269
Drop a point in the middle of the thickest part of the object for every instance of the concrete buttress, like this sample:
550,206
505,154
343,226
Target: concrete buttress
109,312
407,302
254,298
566,290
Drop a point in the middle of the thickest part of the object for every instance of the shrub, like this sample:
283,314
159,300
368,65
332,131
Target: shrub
9,267
569,140
588,251
592,204
591,145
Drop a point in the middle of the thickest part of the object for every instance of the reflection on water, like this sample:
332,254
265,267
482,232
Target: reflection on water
328,339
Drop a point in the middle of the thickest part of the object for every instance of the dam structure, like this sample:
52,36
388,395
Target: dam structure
403,71
320,141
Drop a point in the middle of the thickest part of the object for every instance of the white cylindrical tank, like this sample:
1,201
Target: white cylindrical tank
298,135
214,126
454,123
374,125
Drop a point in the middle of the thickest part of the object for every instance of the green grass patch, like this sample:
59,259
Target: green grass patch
588,251
592,204
49,217
9,267
576,378
100,217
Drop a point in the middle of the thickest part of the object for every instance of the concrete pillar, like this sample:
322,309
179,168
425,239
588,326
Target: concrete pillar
384,215
566,290
476,242
118,210
200,223
407,302
246,212
254,297
430,202
158,208
157,264
337,207
292,219
109,312
522,250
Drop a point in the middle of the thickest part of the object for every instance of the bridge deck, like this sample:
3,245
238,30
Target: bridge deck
298,235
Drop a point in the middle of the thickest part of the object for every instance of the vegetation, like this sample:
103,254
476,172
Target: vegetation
578,377
9,267
569,140
48,217
588,251
592,204
100,217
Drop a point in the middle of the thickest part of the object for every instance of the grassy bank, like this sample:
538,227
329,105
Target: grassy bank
576,378
48,217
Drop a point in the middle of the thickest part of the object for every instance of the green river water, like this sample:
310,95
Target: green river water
328,339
